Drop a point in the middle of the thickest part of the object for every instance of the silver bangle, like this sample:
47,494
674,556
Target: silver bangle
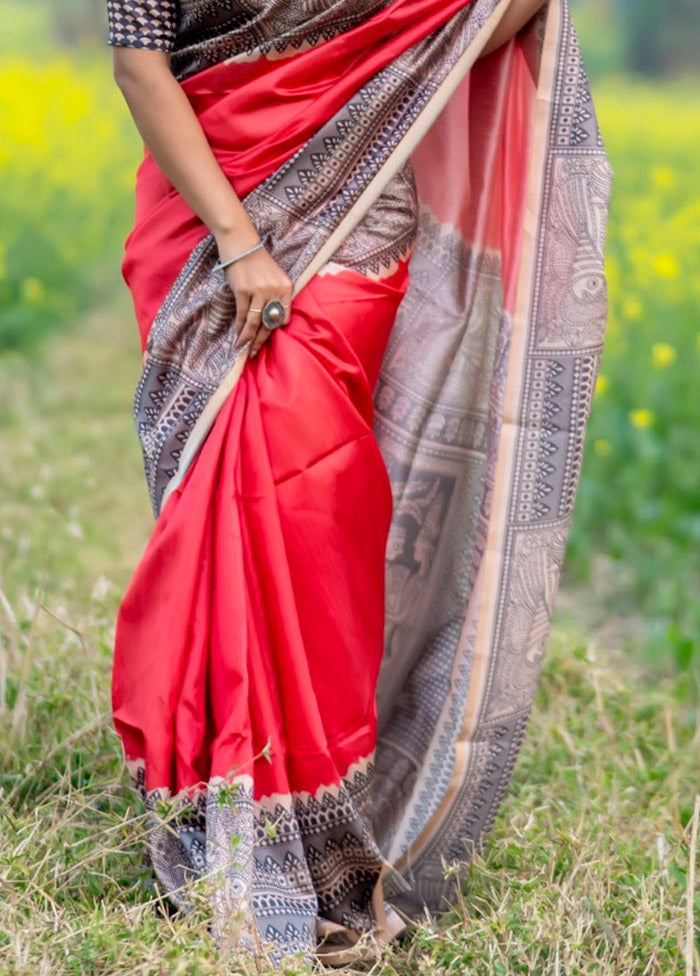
225,264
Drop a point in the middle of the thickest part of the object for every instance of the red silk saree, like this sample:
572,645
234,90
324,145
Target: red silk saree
327,654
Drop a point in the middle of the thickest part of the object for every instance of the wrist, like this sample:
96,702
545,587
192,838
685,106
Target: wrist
232,237
222,264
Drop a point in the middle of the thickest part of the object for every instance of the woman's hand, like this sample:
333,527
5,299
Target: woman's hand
171,130
255,280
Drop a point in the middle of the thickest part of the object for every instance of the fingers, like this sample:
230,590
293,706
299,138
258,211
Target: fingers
260,334
287,300
243,302
257,281
263,334
285,296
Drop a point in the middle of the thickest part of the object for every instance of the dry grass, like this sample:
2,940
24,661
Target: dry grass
589,869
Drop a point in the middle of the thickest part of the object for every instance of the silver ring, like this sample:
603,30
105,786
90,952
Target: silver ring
272,314
257,310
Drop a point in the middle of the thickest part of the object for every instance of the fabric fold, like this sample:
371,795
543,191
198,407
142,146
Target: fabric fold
264,650
346,597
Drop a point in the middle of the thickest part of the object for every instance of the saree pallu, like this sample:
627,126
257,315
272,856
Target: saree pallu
328,652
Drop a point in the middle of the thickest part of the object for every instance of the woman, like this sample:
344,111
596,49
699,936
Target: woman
367,269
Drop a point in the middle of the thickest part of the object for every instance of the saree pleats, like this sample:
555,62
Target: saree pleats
251,634
260,594
345,601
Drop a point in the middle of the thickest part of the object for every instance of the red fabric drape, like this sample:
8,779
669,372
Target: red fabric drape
257,608
256,115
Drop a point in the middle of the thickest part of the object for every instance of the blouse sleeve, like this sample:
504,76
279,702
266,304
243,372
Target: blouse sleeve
142,23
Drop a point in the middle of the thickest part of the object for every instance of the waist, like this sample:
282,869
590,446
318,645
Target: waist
257,113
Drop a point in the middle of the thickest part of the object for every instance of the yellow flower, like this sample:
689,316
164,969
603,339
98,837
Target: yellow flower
632,307
601,384
642,417
663,177
75,104
32,290
666,266
601,446
662,354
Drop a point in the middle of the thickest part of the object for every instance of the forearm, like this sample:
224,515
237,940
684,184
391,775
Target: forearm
174,137
171,131
515,17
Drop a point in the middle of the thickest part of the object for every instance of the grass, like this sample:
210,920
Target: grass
68,152
587,870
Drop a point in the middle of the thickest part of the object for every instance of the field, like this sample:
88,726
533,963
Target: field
590,866
67,160
637,523
588,869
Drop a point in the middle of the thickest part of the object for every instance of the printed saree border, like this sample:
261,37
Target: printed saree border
299,860
493,555
404,148
488,741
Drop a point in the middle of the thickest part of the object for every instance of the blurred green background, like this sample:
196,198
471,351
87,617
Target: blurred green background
68,151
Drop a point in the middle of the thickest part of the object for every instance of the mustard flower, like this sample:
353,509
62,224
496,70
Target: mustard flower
641,417
662,354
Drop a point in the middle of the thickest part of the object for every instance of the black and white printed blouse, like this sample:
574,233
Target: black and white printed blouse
151,24
199,33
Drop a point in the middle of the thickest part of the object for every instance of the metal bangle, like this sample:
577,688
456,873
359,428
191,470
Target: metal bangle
225,264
